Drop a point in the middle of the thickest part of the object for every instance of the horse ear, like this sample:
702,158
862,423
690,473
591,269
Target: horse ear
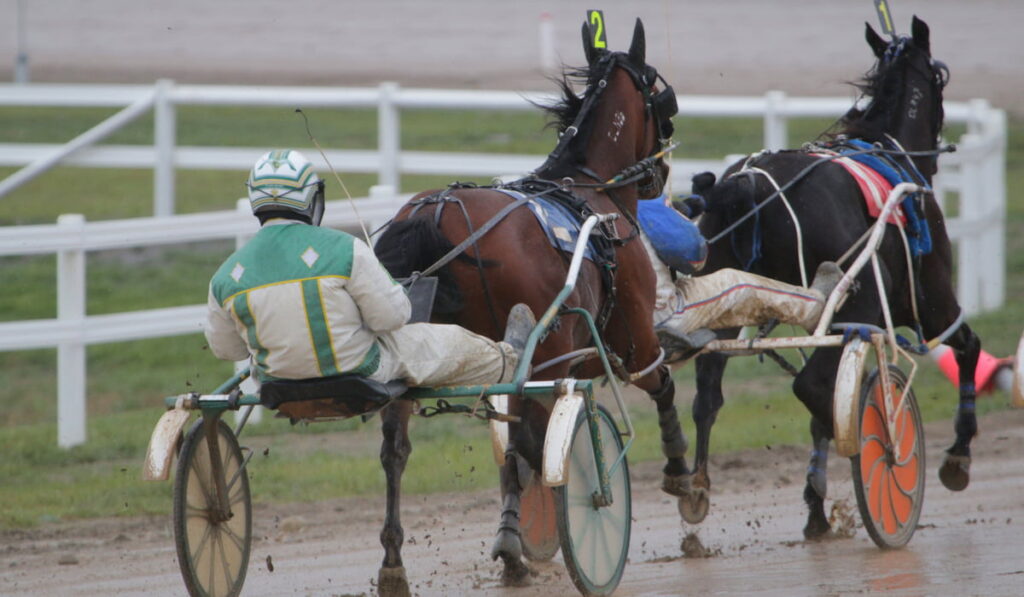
878,45
919,29
588,48
638,48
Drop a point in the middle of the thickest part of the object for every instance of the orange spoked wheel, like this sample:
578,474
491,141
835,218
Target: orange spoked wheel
538,522
888,474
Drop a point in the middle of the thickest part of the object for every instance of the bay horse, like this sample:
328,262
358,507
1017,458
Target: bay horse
614,132
903,116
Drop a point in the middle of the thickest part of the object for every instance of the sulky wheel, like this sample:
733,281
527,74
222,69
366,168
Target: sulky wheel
213,545
538,523
595,539
888,473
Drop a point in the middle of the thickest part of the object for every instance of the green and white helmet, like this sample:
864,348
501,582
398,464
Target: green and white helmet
283,180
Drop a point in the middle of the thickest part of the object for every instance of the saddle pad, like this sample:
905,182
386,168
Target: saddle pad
561,225
873,186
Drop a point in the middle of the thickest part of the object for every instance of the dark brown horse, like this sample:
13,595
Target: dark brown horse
615,130
903,118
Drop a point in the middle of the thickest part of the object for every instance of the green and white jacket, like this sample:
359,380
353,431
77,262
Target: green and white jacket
303,302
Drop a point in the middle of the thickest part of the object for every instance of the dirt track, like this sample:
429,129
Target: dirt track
968,543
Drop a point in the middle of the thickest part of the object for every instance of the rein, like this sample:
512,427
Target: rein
477,234
809,168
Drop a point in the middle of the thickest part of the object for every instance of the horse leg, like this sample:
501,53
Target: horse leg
814,387
706,404
394,453
523,452
817,482
673,441
955,470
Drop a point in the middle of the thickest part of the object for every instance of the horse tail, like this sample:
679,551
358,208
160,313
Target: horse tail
413,245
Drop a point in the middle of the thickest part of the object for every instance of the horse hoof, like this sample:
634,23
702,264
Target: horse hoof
391,582
515,574
676,485
507,545
694,506
817,526
955,472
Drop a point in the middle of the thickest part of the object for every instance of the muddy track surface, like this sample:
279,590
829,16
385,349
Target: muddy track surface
968,543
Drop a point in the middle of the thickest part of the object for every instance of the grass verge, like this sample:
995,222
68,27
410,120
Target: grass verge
43,483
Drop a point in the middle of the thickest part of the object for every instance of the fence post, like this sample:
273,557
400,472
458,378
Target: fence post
71,414
775,126
970,274
388,136
164,140
993,293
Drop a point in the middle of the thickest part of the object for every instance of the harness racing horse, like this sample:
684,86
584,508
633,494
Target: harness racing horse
809,209
608,156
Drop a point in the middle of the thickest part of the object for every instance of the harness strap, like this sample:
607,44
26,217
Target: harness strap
807,170
472,238
796,223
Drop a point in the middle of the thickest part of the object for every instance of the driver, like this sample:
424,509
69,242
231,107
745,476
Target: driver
304,302
687,308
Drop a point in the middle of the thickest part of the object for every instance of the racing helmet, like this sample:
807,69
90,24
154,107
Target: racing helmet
283,180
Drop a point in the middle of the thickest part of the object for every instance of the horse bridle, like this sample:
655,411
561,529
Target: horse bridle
661,106
938,76
940,72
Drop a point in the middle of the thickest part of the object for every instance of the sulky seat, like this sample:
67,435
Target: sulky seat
345,395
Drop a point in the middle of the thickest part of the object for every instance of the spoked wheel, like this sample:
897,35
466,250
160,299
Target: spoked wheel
213,546
888,474
538,523
595,539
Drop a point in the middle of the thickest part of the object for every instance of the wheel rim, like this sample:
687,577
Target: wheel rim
598,537
890,469
538,524
215,553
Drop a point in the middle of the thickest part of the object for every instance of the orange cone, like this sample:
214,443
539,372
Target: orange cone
984,374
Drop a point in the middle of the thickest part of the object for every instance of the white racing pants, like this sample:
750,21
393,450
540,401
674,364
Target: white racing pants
729,298
428,354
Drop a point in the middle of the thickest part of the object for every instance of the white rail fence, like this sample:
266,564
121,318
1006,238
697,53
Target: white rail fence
975,174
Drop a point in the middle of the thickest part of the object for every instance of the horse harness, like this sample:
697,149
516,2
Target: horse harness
880,157
521,192
645,174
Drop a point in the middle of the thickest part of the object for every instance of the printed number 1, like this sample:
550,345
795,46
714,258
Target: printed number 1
883,15
597,26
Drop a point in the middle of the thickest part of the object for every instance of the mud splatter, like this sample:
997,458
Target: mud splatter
692,547
842,519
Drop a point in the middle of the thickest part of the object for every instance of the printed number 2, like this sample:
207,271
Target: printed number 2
597,26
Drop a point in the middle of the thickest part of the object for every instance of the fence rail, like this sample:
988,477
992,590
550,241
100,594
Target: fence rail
975,175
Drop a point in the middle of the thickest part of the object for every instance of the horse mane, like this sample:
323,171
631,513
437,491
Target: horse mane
564,111
883,84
